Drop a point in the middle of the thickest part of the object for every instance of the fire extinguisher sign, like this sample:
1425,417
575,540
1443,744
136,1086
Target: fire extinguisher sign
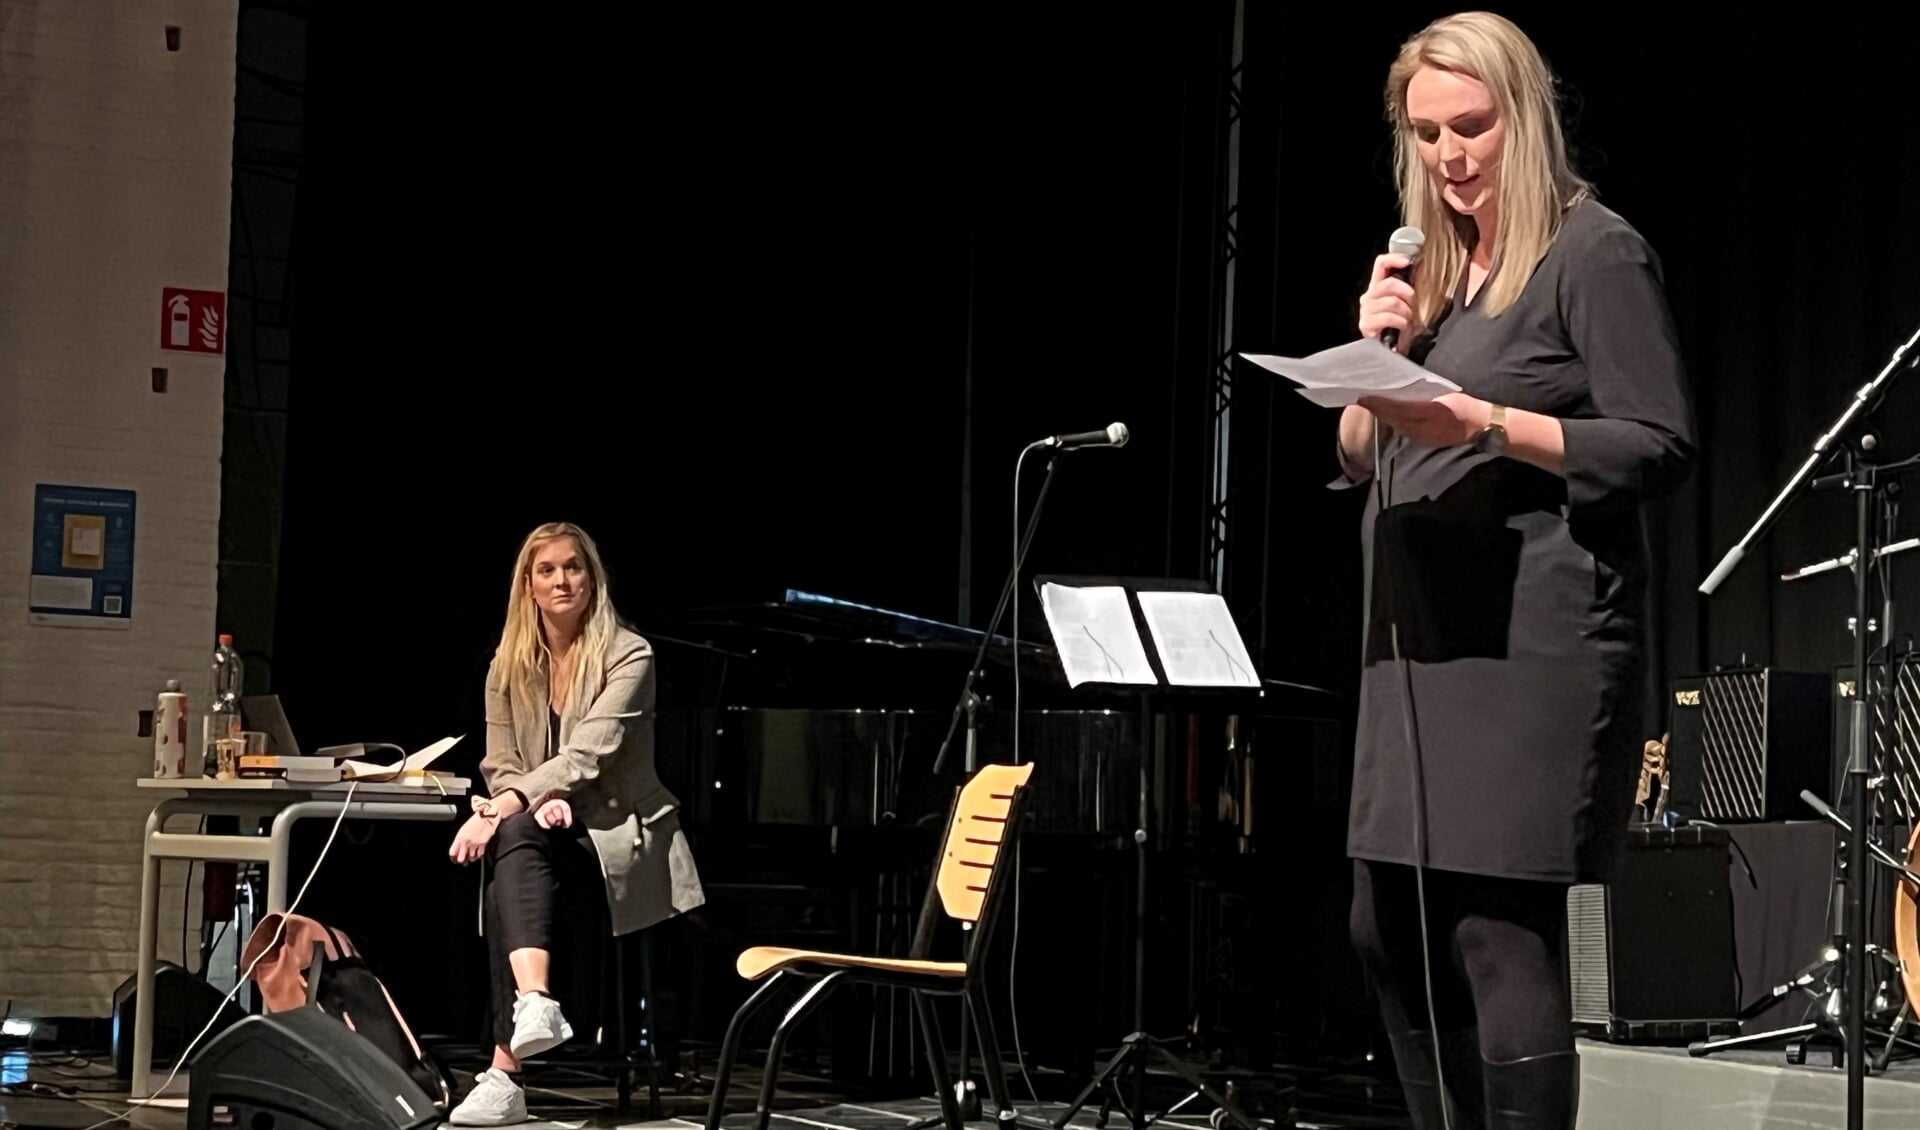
193,321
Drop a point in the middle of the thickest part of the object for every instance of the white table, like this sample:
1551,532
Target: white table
253,800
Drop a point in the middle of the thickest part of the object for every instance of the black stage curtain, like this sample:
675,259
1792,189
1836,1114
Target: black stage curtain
700,280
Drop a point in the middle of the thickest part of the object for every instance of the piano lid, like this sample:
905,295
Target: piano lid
811,616
810,649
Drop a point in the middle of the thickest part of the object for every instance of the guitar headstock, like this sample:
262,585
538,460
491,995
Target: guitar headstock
1653,763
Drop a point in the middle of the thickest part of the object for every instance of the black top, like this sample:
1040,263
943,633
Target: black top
1520,594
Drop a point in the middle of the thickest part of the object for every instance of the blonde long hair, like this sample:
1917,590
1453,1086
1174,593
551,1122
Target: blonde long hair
1538,186
524,656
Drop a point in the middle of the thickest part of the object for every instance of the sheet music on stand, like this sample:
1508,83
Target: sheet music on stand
1101,627
1097,634
1094,633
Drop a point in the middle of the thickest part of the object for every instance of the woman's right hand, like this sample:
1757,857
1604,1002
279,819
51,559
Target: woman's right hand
1388,303
556,812
470,843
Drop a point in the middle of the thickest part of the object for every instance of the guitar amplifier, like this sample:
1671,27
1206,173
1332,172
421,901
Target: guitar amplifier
1650,955
1745,742
1895,737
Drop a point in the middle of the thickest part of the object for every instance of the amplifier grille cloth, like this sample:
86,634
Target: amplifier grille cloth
1733,746
1897,719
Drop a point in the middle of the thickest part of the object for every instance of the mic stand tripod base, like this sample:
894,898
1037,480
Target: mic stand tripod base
1826,1031
1800,1037
1135,1052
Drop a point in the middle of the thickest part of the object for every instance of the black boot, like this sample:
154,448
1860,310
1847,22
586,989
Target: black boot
1540,1092
1459,1059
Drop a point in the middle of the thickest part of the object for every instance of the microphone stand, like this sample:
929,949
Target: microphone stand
967,1094
1880,853
1868,394
1864,479
964,708
1886,859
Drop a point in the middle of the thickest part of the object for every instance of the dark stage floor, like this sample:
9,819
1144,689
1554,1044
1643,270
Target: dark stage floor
1326,1097
1621,1087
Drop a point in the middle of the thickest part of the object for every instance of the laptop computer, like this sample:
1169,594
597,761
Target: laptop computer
263,712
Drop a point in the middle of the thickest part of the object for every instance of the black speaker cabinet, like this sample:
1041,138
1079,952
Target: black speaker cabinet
1894,725
301,1070
1744,743
182,1005
1651,955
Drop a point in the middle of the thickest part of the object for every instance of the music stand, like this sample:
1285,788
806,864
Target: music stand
1147,636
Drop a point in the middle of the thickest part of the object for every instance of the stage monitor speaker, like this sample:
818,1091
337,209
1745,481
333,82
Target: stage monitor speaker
1745,742
301,1070
182,1005
1651,955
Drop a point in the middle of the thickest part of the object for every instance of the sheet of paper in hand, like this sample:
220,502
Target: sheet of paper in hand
1334,378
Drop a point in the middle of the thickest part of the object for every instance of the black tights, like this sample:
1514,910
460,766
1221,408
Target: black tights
1498,957
535,873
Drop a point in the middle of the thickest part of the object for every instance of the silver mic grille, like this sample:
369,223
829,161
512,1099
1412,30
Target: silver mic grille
1409,241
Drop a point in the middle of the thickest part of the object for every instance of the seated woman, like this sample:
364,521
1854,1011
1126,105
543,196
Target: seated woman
573,801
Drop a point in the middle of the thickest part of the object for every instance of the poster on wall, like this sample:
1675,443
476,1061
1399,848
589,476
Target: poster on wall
82,557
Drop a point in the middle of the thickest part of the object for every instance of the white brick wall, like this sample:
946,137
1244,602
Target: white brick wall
115,174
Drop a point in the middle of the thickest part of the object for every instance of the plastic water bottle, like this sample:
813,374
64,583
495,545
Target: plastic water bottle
223,702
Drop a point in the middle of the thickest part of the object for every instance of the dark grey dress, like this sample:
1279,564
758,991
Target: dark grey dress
1520,594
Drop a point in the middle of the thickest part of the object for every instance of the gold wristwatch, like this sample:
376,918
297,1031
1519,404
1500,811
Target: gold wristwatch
1492,439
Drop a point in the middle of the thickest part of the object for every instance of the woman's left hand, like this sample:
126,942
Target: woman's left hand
1446,421
555,813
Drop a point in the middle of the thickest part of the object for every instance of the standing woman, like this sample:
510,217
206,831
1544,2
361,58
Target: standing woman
1508,566
574,807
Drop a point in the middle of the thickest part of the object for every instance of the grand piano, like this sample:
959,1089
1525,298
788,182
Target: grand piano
814,711
802,734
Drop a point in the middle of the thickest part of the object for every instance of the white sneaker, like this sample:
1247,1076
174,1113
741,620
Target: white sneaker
537,1026
496,1100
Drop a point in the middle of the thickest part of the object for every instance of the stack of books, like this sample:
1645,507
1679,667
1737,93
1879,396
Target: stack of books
295,770
340,763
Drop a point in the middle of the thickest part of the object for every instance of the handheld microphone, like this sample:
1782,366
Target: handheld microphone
1113,435
1409,241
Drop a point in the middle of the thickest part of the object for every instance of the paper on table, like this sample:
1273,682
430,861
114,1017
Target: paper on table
1334,378
414,764
1199,644
1094,634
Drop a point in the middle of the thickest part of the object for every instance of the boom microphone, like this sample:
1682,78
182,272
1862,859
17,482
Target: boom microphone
1113,435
